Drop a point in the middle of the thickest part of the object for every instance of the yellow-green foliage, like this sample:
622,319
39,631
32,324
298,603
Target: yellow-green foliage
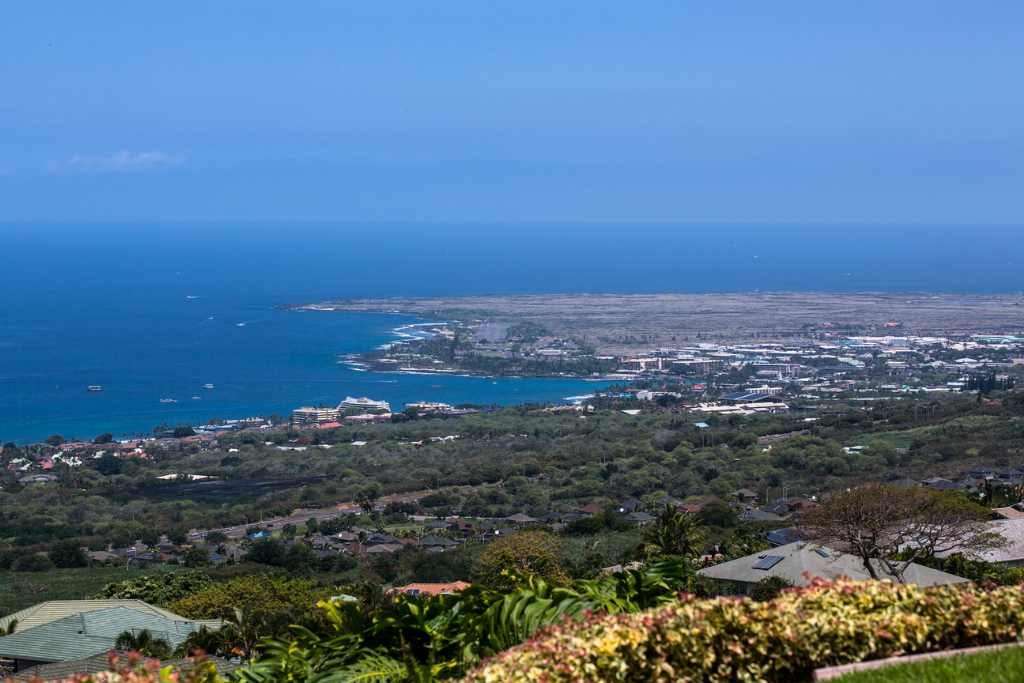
270,593
731,639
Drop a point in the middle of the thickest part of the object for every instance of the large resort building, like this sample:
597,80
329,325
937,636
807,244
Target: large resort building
322,415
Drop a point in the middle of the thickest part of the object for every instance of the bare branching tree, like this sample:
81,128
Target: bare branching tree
889,527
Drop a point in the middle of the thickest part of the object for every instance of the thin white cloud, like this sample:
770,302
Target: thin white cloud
121,161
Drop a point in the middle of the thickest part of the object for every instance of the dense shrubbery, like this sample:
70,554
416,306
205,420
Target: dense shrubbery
730,639
427,639
608,457
158,589
270,593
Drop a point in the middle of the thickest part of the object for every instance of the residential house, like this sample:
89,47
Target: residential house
1010,555
378,539
432,542
756,515
382,548
799,504
785,537
1011,476
86,632
1012,512
627,506
590,510
639,518
519,519
744,495
423,589
798,563
37,479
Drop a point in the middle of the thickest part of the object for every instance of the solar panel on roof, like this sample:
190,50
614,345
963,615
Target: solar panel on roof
768,562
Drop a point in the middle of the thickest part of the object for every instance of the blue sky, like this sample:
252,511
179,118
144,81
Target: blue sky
513,111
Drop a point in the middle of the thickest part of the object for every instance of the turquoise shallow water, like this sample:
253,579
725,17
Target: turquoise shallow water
85,304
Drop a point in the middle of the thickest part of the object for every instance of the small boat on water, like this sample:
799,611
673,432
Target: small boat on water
197,398
207,386
94,387
168,400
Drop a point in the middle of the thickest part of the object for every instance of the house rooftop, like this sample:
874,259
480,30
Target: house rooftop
52,610
796,562
1013,552
430,588
89,633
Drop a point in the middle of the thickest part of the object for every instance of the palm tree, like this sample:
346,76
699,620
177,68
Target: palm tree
209,640
11,627
145,643
245,627
673,534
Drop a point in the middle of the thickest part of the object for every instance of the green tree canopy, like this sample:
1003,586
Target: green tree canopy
527,552
68,554
271,593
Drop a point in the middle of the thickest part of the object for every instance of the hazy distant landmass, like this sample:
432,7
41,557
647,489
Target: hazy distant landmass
624,322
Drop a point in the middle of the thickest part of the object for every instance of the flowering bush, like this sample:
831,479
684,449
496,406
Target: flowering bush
135,668
732,639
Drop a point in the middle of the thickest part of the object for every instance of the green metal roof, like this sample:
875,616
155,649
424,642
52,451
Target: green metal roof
52,610
89,633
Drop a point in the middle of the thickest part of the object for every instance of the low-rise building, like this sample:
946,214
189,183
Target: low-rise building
798,563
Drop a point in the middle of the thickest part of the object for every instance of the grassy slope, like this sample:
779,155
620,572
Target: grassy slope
19,590
999,666
904,437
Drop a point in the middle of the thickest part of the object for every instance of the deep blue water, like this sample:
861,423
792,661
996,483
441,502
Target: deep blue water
85,304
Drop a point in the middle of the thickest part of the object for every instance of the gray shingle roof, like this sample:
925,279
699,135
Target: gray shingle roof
639,517
437,541
798,558
1013,531
89,633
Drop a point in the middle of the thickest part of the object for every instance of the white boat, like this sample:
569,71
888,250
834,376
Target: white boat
94,387
168,400
207,386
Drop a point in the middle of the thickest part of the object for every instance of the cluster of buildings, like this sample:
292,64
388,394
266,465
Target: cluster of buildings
746,378
977,479
370,412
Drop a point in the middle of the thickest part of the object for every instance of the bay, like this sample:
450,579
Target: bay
156,311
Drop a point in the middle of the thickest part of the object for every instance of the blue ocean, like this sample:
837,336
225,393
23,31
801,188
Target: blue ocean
157,311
